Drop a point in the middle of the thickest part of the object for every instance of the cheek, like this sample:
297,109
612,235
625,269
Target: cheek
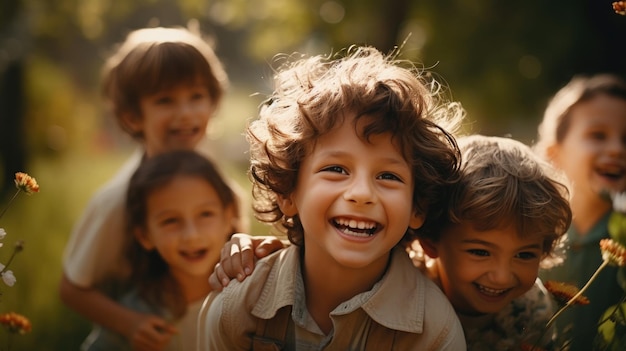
528,275
459,270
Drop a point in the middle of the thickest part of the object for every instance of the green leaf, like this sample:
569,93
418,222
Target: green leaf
617,227
613,318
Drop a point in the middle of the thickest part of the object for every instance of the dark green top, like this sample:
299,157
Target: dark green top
583,258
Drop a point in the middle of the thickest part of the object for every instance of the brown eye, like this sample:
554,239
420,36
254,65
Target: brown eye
335,169
526,255
479,252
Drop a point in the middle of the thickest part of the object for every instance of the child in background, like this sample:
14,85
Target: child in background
179,214
347,158
506,216
583,132
163,86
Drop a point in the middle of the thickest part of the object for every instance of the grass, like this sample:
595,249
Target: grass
44,221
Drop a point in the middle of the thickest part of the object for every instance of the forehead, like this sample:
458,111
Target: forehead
599,111
503,237
349,129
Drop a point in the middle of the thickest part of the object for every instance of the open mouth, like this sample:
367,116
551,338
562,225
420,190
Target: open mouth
185,132
491,292
356,227
613,173
194,255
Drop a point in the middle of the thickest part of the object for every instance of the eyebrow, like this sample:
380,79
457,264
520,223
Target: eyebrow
341,153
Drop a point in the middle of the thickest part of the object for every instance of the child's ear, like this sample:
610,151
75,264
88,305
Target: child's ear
417,220
142,238
132,120
552,153
430,247
287,206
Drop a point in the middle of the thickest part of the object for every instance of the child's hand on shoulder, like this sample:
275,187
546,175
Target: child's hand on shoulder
152,334
238,257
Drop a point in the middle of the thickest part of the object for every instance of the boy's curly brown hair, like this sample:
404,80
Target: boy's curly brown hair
314,94
503,182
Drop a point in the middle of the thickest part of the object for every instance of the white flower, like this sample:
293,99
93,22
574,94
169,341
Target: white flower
3,233
619,202
8,278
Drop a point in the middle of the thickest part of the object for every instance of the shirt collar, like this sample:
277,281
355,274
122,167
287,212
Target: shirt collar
397,301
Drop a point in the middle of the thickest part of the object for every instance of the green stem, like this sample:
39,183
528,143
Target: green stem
9,204
617,307
15,251
573,299
570,302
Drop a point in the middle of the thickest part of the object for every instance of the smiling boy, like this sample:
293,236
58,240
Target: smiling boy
348,160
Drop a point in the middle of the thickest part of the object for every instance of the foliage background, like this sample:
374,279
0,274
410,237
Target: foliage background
501,59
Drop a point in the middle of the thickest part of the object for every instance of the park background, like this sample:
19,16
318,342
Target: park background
502,59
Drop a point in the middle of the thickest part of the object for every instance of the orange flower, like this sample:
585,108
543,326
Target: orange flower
564,292
26,183
15,323
620,7
613,252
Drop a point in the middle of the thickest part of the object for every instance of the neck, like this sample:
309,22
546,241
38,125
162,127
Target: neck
328,285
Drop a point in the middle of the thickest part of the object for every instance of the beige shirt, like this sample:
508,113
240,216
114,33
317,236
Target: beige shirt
95,248
403,300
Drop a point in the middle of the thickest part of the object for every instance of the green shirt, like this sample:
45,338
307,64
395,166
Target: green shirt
579,323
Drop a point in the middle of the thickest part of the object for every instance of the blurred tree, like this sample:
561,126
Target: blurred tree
12,57
503,60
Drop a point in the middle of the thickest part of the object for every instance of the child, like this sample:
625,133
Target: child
179,214
506,216
163,85
347,158
583,132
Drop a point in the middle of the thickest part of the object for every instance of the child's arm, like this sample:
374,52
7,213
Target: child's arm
144,332
238,256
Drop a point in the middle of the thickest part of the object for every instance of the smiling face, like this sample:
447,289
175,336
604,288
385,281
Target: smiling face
593,152
174,118
188,225
482,271
354,199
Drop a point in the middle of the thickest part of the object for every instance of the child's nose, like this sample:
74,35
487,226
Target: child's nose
360,190
502,275
617,145
185,108
190,231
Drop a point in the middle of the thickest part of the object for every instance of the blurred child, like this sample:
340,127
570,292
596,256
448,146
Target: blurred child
347,158
179,214
583,132
163,86
506,216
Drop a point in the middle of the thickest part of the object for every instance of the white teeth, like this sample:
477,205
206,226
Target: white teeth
355,224
353,233
490,291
